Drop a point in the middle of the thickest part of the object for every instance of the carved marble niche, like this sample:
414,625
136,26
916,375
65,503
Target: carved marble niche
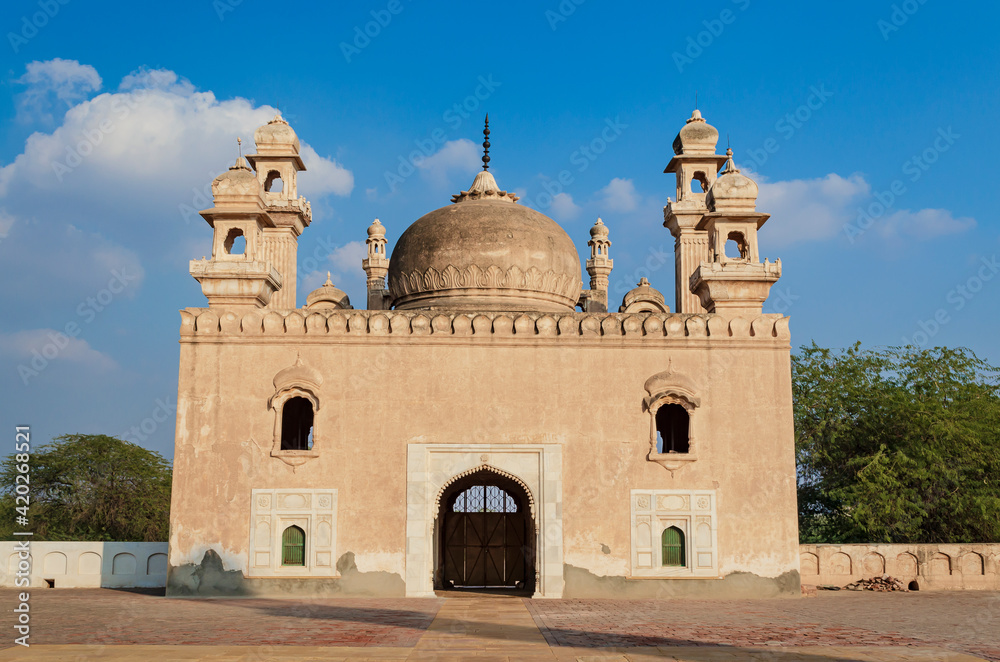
296,381
693,514
672,388
314,511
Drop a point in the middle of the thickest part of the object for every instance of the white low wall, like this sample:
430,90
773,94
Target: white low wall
953,566
87,564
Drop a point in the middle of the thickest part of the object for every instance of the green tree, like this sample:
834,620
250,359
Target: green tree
91,487
898,444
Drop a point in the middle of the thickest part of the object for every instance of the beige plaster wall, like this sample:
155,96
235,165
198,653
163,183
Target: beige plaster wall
391,380
932,567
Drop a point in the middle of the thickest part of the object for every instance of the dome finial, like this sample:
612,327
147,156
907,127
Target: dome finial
486,144
240,161
730,165
328,281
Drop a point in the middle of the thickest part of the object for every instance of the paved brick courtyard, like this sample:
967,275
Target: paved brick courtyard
104,624
959,621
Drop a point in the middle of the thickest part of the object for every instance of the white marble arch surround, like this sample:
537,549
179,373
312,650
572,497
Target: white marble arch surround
430,467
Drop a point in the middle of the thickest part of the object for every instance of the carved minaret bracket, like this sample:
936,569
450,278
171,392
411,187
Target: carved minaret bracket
595,300
376,266
695,165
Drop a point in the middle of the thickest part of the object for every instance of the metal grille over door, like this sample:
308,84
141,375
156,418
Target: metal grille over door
484,539
293,546
673,547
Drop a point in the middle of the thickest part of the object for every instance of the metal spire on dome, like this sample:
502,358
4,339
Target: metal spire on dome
240,161
485,185
486,144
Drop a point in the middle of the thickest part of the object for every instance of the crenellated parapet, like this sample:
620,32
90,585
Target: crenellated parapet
199,324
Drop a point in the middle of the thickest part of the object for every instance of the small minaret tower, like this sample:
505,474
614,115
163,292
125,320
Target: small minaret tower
595,300
278,163
695,165
238,275
736,284
376,266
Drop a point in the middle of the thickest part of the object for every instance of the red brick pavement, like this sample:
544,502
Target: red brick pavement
960,621
101,616
966,622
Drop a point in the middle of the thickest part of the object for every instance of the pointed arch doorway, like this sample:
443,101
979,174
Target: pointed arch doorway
485,535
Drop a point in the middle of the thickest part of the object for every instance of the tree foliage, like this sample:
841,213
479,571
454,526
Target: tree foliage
897,445
91,487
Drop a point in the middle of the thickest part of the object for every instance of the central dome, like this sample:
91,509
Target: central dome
485,252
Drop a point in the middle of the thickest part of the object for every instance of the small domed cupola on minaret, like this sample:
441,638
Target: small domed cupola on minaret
278,163
595,300
376,267
695,165
736,283
238,275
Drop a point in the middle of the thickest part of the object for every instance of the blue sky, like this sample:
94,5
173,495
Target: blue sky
116,119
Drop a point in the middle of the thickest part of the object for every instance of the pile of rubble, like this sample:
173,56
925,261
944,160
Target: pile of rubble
882,584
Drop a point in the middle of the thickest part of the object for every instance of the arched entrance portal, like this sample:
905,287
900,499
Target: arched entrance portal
485,534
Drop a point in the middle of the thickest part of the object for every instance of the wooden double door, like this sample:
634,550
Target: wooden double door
485,537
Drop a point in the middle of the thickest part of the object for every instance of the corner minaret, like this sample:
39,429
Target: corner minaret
238,275
595,300
733,284
376,266
278,163
695,165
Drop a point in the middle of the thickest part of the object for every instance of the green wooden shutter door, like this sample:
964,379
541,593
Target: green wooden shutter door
673,547
293,546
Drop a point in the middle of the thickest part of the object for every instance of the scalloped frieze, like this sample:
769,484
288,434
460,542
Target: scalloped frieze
629,327
473,276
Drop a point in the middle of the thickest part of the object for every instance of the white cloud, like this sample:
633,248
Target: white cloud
156,79
324,175
619,196
924,224
455,155
810,209
51,345
563,208
6,222
68,81
815,209
349,256
126,165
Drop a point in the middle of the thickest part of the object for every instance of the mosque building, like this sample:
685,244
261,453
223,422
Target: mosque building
482,420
